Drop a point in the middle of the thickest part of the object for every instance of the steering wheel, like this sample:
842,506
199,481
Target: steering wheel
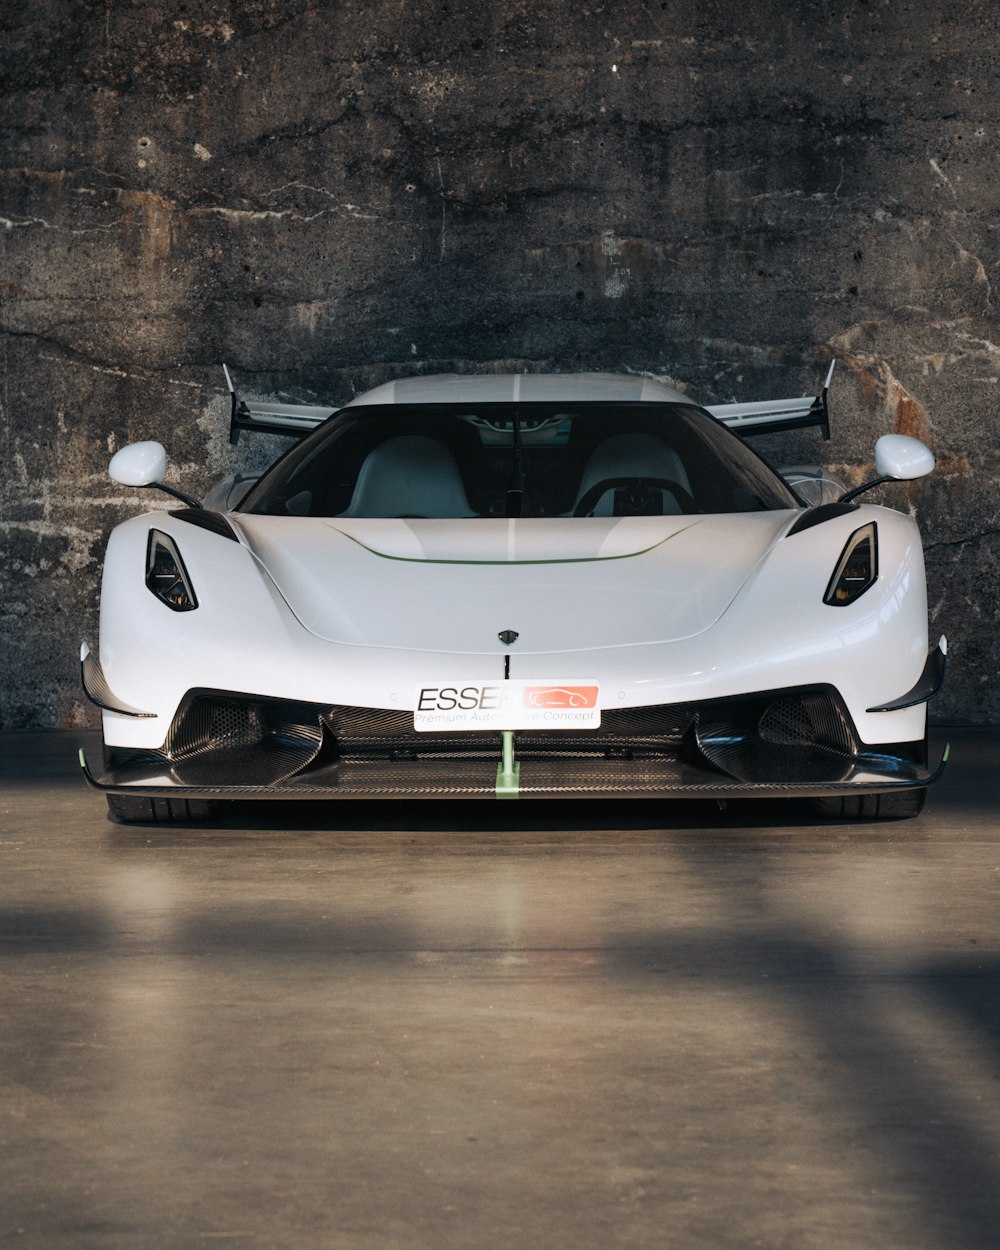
591,497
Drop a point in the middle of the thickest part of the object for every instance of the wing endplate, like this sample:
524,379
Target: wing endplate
292,420
771,416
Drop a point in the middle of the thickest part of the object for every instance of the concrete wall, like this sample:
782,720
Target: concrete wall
329,195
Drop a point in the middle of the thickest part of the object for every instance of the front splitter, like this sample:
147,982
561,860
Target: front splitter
418,781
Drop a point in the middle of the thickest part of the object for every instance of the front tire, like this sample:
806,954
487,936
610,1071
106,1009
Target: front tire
898,805
138,809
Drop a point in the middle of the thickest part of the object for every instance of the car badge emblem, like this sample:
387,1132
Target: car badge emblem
507,636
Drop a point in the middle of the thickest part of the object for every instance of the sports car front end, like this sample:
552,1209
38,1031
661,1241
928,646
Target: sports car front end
616,633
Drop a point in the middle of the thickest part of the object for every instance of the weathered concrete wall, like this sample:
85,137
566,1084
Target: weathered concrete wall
329,195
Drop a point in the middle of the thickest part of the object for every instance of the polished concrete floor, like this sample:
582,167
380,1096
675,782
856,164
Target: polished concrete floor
357,1027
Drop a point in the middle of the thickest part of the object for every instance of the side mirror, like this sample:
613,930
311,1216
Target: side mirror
898,458
145,464
902,458
139,464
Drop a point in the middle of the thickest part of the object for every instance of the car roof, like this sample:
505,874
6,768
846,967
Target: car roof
456,388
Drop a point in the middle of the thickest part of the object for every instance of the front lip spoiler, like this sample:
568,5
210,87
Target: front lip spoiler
865,783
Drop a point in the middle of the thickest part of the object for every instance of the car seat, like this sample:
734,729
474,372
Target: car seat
409,476
632,456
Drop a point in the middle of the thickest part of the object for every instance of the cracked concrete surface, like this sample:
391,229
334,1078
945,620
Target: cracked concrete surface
328,197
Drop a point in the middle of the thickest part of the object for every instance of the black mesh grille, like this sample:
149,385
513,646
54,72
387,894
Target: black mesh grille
241,739
817,716
207,724
786,722
237,724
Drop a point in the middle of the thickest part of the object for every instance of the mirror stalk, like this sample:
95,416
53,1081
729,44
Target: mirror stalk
177,494
859,490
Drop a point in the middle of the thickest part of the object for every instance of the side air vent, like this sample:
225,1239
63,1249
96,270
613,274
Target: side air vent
206,520
816,516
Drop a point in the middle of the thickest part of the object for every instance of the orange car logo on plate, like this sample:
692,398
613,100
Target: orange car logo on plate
561,696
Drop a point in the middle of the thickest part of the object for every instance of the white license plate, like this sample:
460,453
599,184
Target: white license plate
521,703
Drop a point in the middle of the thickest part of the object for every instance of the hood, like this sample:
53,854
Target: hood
563,584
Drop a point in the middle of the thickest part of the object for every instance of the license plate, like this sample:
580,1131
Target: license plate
521,703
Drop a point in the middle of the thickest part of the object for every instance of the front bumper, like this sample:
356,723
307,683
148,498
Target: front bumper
775,743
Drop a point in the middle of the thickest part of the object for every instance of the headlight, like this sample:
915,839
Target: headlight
166,575
857,569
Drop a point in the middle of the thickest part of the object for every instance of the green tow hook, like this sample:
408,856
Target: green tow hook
508,770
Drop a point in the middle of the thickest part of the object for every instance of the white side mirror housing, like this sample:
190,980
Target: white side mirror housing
902,458
139,464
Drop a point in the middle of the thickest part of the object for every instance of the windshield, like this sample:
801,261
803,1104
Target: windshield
513,460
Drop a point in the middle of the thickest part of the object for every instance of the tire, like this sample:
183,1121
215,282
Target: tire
137,809
900,805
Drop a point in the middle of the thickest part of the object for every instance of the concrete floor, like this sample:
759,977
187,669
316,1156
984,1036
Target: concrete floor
359,1027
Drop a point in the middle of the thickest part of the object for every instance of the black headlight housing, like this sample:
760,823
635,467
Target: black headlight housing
857,568
166,576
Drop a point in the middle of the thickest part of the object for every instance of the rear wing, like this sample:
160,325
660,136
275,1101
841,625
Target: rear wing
766,417
771,416
289,419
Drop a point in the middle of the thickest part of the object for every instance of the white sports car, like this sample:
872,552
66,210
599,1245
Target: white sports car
547,586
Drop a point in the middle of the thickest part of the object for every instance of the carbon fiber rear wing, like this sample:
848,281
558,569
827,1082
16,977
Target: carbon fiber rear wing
293,420
771,416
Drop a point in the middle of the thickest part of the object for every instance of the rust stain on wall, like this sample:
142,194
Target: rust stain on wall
880,388
148,225
910,417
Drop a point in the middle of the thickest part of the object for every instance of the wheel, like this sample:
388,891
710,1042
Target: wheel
901,805
137,809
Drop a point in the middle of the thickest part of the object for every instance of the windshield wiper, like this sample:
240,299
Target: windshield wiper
515,491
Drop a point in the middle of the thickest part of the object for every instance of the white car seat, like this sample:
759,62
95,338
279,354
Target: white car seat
409,476
632,455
